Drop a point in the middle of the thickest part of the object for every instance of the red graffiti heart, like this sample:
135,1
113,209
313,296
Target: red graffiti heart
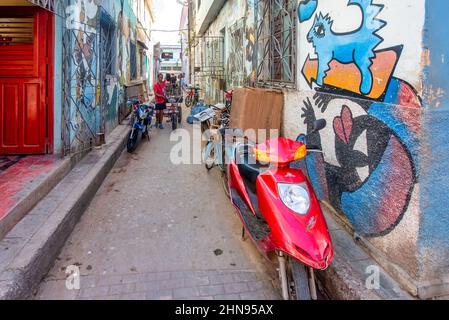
343,125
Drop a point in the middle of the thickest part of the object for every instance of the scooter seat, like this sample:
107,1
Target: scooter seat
249,168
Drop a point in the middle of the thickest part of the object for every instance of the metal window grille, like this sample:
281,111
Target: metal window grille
209,66
276,42
46,4
133,60
235,63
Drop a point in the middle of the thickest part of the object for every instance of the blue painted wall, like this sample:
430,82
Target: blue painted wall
57,105
433,242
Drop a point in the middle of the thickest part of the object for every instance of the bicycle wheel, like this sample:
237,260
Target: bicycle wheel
188,101
179,115
174,121
209,155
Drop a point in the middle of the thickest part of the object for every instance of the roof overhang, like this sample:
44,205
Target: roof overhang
207,15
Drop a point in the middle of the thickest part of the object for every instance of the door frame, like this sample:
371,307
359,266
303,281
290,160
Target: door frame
45,57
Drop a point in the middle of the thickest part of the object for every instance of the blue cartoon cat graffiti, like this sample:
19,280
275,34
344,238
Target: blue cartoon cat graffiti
353,47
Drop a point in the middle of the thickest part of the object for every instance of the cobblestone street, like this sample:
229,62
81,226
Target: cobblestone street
159,231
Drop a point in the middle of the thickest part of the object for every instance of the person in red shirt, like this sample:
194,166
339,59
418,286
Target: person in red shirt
159,92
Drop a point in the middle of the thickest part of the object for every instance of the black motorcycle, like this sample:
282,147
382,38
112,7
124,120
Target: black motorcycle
141,118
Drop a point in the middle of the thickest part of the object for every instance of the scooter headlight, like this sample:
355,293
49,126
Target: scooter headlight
295,197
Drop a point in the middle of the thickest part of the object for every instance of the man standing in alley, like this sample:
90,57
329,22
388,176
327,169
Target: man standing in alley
159,92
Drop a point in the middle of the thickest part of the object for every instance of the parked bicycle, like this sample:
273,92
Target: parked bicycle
174,111
193,96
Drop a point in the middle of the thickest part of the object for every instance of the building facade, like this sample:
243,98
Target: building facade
77,59
377,72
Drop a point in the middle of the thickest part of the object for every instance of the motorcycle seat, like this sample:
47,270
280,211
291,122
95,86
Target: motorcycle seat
249,167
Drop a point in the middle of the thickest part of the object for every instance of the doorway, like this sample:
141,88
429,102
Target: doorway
26,81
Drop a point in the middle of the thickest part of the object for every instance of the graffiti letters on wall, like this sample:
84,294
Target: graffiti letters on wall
371,138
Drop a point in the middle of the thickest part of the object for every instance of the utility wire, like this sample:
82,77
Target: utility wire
178,30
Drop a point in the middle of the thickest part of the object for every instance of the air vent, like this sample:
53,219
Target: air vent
16,31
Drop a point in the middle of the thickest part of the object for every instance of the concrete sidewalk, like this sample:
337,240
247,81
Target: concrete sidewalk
348,274
28,251
24,181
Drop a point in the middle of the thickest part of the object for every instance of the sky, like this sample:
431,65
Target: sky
167,15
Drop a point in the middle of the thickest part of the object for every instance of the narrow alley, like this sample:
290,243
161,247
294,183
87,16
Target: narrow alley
323,147
160,231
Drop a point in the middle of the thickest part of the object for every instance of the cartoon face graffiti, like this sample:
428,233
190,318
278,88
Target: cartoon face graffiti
364,162
369,166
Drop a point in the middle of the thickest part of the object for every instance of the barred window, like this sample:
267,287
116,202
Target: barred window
276,42
133,60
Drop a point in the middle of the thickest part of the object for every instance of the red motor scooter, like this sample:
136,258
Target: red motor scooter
279,209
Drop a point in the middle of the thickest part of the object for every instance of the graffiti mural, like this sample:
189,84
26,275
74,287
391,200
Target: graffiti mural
80,46
370,142
97,66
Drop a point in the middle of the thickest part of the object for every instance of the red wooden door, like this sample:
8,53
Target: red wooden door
24,77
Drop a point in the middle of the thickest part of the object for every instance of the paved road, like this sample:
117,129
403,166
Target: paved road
160,231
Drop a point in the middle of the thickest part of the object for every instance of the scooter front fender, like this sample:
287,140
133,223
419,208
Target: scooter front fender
304,237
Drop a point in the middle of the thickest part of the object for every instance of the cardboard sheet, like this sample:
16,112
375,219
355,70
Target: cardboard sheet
255,108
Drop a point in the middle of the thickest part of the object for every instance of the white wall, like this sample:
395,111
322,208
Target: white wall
405,21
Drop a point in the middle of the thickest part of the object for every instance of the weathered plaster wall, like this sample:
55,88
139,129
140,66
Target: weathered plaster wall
359,69
433,238
237,19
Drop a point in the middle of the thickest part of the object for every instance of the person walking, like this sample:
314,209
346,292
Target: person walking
161,100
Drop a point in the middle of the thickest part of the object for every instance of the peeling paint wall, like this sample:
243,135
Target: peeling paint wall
237,20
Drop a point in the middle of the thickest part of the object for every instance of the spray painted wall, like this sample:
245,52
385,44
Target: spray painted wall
360,71
102,43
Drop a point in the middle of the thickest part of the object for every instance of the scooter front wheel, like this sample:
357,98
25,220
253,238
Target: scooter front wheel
298,276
